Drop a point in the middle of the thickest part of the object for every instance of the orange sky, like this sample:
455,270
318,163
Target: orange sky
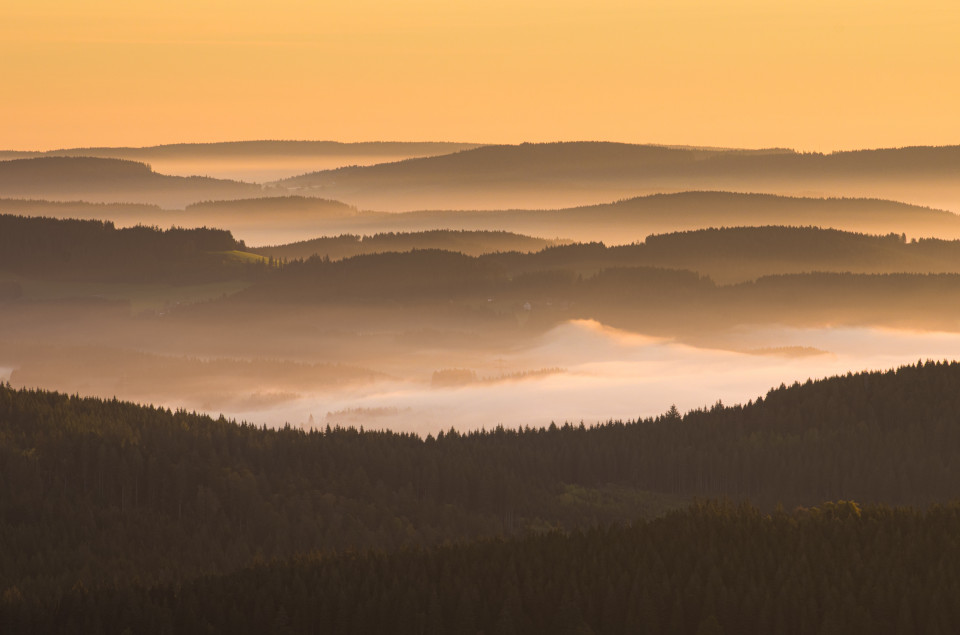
808,74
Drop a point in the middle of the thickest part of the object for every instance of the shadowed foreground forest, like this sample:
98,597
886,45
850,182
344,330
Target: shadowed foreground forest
715,568
99,495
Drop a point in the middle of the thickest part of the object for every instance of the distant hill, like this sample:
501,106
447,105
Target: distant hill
110,181
267,220
253,149
565,174
276,207
589,282
257,160
122,213
260,220
632,220
745,253
472,243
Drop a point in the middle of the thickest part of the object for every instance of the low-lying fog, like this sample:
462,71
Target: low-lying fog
611,374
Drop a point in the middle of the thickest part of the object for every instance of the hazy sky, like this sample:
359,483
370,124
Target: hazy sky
810,74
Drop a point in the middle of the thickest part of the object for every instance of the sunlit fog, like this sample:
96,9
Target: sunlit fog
610,374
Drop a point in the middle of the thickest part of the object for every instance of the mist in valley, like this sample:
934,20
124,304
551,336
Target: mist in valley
319,302
606,374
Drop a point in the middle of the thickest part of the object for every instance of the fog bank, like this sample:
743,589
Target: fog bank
612,374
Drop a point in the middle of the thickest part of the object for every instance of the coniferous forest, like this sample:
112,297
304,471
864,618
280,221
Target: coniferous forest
118,516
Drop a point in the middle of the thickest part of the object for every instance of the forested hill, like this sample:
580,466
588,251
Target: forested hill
472,243
737,254
77,209
89,249
634,218
708,570
108,491
509,163
649,299
110,181
571,173
269,209
582,160
252,150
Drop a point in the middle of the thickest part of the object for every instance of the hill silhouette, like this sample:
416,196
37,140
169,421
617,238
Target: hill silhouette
256,161
101,180
737,254
125,214
273,220
259,220
471,243
606,285
254,149
576,173
632,220
96,250
266,220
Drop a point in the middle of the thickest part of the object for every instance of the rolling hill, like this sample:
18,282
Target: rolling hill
632,220
256,161
99,180
471,243
578,173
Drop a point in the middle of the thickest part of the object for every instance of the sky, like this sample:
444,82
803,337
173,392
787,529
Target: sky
808,74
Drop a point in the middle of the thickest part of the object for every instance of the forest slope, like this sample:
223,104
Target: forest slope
97,250
636,297
713,568
104,491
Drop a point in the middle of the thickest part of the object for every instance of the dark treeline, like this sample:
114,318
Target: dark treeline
94,248
101,491
633,218
471,243
74,209
654,299
744,253
711,569
749,251
97,250
267,208
662,286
